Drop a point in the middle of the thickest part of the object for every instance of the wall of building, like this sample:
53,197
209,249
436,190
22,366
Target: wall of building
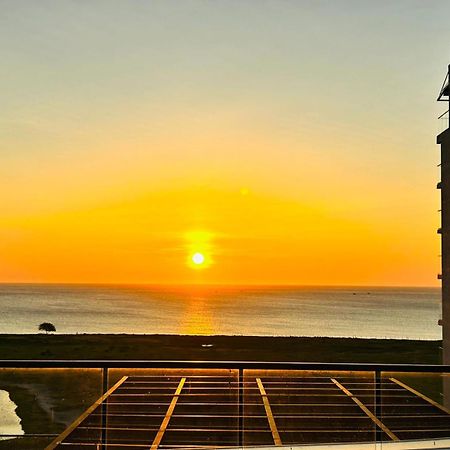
444,140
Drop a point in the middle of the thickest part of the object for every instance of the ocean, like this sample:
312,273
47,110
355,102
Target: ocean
410,313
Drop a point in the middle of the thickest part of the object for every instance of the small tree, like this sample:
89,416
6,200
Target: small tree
47,327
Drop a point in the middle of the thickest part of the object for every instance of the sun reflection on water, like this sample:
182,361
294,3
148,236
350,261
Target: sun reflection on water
197,318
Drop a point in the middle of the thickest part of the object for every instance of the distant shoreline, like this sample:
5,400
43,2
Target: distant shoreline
278,336
218,347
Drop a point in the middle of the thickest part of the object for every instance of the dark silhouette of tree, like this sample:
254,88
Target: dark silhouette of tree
47,327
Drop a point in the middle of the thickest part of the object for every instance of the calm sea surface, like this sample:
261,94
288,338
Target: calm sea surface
284,311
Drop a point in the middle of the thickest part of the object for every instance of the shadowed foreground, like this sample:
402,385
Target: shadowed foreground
244,348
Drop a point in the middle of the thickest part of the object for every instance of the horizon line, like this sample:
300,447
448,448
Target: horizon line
237,285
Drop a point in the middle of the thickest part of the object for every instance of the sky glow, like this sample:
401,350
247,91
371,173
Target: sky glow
287,142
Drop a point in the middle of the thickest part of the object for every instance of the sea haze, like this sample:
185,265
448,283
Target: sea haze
410,313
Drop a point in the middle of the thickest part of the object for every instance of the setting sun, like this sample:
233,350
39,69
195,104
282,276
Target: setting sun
200,248
198,259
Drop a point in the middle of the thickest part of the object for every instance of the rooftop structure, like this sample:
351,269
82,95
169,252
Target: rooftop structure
444,93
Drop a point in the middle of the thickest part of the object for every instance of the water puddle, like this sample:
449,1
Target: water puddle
9,420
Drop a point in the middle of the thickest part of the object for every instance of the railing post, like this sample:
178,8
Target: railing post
104,408
377,406
241,406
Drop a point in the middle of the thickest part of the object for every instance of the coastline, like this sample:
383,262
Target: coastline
238,348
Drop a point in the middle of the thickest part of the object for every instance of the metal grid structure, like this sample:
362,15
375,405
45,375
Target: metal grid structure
219,408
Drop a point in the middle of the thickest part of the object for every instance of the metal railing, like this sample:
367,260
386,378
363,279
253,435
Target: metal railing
105,366
202,364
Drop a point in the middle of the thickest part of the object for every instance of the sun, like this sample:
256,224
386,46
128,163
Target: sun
198,259
199,249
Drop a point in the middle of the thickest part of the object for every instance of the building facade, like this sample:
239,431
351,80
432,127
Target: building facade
443,139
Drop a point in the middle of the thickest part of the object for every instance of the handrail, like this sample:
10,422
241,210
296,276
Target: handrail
188,364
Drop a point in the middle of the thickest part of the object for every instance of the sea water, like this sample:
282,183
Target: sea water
411,313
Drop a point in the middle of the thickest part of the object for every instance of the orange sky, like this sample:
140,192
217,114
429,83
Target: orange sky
134,137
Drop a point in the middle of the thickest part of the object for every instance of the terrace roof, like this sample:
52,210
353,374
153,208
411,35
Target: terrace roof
217,408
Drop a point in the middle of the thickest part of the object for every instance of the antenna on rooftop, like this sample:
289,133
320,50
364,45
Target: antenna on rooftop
444,96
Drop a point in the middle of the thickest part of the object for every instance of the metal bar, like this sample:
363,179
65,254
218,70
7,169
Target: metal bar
184,364
231,432
410,405
83,416
29,435
369,414
422,396
261,416
165,422
88,445
104,412
241,407
178,428
377,407
270,418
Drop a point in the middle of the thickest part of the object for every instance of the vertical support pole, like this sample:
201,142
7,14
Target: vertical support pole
241,406
104,406
377,407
